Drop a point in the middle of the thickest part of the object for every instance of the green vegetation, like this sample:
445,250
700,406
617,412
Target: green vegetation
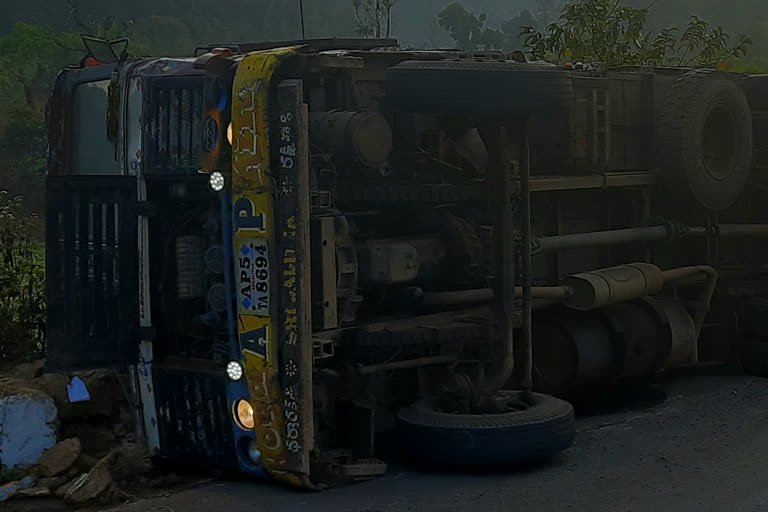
22,282
470,32
604,31
607,32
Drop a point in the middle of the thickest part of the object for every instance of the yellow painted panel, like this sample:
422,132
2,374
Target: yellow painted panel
253,219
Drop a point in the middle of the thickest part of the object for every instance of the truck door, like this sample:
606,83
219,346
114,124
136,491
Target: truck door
91,227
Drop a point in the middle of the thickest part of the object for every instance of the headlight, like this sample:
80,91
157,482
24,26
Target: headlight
244,415
229,133
216,181
254,453
234,370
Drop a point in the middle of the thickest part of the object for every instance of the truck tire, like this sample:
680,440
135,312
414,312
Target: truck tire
478,87
705,138
431,436
756,89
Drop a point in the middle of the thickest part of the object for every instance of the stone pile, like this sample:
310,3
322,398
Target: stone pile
96,446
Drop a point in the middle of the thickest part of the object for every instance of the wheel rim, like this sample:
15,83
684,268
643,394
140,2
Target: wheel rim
498,404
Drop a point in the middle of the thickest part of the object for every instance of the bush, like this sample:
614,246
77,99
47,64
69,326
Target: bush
607,32
22,282
24,146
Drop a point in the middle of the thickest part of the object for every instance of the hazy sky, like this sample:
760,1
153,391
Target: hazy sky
414,20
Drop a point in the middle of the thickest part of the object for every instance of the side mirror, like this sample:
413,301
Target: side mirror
107,52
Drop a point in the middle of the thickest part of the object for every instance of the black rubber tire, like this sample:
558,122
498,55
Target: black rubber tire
478,87
754,356
433,437
706,104
756,89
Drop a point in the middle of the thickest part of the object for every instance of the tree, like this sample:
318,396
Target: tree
513,27
469,31
160,35
110,28
29,57
23,147
547,11
373,18
466,28
607,32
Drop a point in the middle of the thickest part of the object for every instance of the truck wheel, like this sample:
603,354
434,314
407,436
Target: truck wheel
754,357
478,87
532,429
705,138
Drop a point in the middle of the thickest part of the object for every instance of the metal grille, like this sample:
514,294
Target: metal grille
91,263
172,124
194,420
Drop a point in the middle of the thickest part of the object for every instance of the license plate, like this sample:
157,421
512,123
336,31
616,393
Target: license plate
253,277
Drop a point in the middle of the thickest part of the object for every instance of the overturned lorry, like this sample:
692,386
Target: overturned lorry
296,247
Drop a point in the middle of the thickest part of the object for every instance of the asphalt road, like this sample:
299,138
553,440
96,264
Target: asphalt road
697,443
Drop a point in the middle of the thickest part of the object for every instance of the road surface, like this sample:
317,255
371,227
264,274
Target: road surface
690,444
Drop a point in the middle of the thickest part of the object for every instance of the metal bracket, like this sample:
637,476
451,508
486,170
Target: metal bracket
364,469
322,349
320,199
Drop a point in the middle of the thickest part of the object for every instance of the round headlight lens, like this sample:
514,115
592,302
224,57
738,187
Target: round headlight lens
234,370
229,134
216,181
244,415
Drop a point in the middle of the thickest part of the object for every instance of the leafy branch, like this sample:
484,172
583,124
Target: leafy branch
605,31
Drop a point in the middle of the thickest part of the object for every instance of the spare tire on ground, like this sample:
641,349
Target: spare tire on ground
534,427
705,138
478,86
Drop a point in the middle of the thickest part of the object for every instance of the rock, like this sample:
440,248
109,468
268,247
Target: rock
90,485
29,420
55,385
96,439
35,492
62,491
128,461
85,463
119,431
73,472
107,395
127,418
59,458
27,371
53,482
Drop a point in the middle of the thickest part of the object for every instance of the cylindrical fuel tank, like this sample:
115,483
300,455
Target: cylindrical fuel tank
365,137
577,350
642,335
572,350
